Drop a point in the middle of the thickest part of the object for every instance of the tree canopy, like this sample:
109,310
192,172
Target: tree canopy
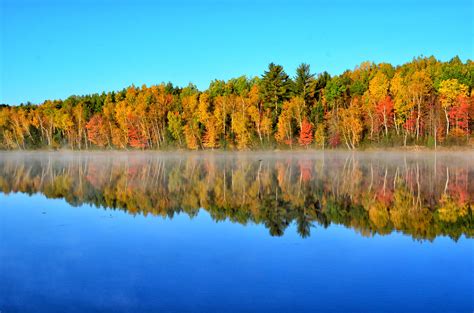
422,102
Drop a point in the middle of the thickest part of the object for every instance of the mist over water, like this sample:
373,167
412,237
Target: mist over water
421,194
236,232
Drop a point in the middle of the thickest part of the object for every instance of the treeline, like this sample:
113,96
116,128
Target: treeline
418,198
423,102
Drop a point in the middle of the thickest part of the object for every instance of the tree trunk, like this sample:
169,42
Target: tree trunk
447,122
371,126
396,125
418,119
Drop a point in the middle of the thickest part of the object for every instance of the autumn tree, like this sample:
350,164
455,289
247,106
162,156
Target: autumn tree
97,131
319,136
419,100
306,134
19,126
136,135
258,119
418,87
284,131
159,102
384,111
206,118
350,125
403,106
452,94
175,126
377,93
122,112
297,109
459,117
191,129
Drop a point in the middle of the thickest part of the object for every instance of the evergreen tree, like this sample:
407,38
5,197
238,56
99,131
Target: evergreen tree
303,81
275,88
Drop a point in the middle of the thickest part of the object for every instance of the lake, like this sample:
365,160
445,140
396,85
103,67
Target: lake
236,232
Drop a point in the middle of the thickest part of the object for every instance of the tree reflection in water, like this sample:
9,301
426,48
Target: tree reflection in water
421,195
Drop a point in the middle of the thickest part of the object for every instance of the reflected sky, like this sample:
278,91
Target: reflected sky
69,241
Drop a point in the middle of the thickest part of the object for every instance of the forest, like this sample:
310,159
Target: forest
373,196
425,102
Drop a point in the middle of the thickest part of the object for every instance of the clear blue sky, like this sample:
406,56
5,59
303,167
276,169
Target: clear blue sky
52,49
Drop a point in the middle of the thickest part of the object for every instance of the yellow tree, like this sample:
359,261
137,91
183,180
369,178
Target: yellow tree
378,91
64,124
418,86
266,124
43,119
241,129
175,125
142,126
241,118
450,90
79,120
4,118
350,125
403,107
108,115
221,112
206,118
259,118
319,135
210,138
284,130
19,125
293,110
121,113
297,107
7,134
160,104
192,133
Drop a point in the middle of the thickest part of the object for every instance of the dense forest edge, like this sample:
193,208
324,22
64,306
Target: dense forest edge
425,102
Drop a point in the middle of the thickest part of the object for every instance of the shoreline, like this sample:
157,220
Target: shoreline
410,150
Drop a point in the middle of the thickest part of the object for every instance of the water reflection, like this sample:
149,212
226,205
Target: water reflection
421,195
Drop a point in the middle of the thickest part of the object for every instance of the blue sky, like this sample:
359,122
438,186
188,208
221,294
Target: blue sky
52,49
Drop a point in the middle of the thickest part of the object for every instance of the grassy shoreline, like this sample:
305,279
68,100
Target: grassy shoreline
263,150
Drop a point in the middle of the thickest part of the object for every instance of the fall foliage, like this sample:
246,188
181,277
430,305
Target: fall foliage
306,133
421,102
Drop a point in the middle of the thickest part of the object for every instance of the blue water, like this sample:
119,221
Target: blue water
58,258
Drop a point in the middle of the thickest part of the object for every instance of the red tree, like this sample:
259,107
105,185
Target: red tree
459,116
96,131
136,138
306,133
385,112
410,123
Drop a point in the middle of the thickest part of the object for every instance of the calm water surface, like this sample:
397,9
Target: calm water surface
246,232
